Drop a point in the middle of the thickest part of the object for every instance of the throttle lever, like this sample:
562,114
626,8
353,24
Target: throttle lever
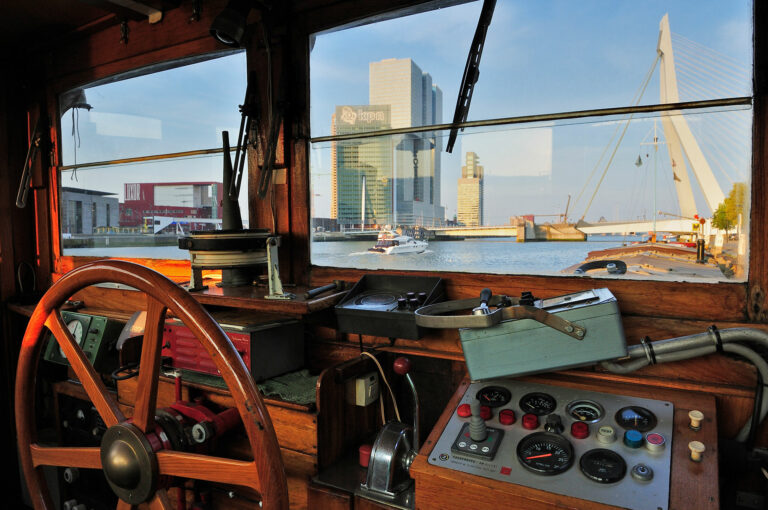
402,366
483,309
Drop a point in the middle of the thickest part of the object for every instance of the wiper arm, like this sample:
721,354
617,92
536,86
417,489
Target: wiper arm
471,71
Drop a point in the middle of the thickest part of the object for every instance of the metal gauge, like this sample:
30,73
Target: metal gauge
635,418
545,453
585,410
76,328
538,403
494,396
603,466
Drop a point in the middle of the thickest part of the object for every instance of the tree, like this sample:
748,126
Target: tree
727,214
720,219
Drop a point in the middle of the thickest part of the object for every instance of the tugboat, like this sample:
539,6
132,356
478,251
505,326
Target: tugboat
389,242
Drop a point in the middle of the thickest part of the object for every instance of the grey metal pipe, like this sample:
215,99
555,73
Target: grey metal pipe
701,344
701,340
762,367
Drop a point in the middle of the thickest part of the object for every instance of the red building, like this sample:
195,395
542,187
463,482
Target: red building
145,202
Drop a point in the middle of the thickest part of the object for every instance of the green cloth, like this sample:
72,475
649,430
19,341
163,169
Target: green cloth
295,387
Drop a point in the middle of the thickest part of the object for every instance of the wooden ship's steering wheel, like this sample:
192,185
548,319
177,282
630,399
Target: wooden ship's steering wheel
130,455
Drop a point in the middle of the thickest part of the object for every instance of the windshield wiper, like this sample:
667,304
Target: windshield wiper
471,71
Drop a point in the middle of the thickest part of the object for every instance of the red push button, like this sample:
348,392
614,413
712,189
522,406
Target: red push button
364,455
464,411
507,417
485,413
530,421
579,430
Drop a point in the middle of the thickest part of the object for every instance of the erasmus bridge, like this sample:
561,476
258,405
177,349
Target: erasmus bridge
711,152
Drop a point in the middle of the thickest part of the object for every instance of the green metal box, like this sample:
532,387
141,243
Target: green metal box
524,346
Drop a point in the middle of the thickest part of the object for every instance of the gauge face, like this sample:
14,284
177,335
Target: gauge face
538,404
76,328
635,418
545,453
585,410
494,396
603,466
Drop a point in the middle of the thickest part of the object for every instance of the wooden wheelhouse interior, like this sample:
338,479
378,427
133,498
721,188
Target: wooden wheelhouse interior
75,43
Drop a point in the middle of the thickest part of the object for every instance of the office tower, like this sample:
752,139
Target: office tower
470,192
361,168
414,101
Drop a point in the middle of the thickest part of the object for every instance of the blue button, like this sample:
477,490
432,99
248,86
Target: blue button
633,439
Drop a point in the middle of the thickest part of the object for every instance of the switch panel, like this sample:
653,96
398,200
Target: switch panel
575,448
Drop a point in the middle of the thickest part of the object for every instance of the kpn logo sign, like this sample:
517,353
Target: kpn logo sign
363,115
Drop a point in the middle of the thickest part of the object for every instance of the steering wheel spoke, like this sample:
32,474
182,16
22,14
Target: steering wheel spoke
149,366
160,501
79,457
207,468
92,384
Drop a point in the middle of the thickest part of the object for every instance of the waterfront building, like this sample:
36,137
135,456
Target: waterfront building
414,101
362,168
470,192
85,210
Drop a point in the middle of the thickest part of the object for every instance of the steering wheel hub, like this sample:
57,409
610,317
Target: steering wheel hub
129,463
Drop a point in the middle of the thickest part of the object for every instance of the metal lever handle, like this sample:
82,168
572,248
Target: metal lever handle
402,366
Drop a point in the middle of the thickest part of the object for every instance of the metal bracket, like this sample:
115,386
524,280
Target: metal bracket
273,272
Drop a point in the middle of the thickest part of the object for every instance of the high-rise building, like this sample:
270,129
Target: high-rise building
361,168
470,193
414,101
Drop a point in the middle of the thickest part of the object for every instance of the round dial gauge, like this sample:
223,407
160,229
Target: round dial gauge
635,418
545,453
538,403
585,410
76,328
494,396
603,465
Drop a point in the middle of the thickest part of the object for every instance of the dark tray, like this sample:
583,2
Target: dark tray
371,306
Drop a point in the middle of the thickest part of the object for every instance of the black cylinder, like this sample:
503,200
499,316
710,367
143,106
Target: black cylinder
700,251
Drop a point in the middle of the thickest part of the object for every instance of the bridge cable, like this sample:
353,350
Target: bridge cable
635,101
624,132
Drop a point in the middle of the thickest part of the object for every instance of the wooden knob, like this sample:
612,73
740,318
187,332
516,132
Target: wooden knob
696,418
697,449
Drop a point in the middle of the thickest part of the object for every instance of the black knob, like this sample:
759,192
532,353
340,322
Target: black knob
422,297
413,303
402,303
410,295
554,424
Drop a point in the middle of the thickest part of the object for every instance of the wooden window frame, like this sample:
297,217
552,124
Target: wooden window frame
700,303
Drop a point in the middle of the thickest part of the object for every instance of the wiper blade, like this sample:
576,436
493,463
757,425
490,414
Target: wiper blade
471,71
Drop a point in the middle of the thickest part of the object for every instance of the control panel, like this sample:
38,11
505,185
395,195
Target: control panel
601,447
96,336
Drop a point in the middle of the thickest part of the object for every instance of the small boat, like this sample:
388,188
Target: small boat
390,242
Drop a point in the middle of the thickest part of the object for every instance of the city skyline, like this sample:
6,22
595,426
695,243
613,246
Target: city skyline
389,180
595,62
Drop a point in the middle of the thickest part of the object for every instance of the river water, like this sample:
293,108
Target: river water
501,256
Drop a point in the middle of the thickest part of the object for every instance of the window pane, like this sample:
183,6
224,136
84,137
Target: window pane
180,109
538,57
155,203
618,180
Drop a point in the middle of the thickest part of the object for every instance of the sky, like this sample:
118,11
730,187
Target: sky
546,57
